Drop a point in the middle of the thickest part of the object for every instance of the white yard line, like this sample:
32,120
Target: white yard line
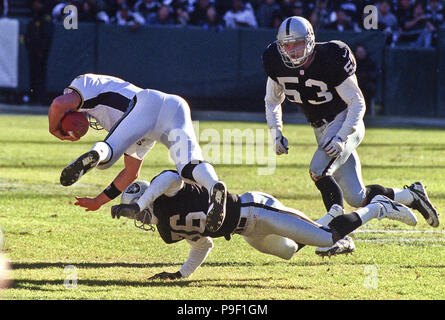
399,231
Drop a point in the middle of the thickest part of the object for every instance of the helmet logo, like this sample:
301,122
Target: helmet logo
133,188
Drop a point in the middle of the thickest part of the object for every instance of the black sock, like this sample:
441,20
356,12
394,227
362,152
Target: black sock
345,224
187,171
375,190
330,192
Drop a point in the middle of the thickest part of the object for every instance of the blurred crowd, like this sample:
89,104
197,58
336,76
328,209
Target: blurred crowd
412,22
406,22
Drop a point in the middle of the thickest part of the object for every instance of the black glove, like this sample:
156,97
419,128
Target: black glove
125,210
166,276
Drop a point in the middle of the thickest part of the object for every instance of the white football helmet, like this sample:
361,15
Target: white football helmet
134,191
291,32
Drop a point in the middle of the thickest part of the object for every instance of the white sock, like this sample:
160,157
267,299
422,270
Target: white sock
325,220
104,151
371,211
403,196
205,175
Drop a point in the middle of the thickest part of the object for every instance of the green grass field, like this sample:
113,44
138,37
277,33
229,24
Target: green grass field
45,233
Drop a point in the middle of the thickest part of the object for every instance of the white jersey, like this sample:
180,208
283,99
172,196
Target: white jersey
105,98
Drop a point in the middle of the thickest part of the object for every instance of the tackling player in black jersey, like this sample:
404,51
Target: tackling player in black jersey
178,210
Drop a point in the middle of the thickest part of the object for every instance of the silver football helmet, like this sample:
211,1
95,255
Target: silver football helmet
134,191
132,194
295,41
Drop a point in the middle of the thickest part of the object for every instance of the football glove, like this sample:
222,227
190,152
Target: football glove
280,143
334,147
125,210
166,276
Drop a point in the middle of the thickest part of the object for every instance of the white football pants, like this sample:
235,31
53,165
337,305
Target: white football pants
156,116
273,228
346,169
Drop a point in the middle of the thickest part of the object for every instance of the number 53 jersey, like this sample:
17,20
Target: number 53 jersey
313,88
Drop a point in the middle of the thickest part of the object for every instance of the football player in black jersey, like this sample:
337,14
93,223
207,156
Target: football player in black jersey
320,78
179,211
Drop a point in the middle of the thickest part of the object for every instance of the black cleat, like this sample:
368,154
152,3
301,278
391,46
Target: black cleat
217,208
78,168
423,204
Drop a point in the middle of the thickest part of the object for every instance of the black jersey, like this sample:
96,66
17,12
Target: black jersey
183,216
313,88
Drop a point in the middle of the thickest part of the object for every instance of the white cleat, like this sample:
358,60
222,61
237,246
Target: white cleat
395,211
342,246
423,204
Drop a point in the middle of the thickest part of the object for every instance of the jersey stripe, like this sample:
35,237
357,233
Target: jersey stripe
130,108
111,99
263,206
288,26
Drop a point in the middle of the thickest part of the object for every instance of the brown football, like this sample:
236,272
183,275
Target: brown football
74,124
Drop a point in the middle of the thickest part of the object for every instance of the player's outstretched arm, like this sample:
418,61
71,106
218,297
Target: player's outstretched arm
57,110
128,175
198,253
273,100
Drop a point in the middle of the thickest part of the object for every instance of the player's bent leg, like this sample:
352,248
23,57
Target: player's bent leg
288,224
380,207
273,244
349,178
186,152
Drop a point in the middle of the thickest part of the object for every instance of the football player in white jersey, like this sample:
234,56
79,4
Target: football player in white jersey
135,119
320,78
178,211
